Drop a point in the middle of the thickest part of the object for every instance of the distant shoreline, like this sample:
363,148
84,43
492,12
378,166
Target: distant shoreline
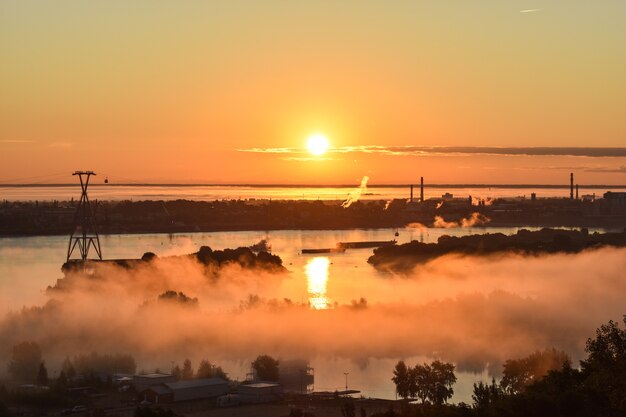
184,216
428,185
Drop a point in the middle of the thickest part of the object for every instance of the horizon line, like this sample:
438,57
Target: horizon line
386,185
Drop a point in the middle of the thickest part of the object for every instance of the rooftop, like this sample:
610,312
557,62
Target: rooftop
261,385
154,375
193,383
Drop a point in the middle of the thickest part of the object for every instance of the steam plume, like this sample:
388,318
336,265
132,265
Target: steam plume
354,196
475,219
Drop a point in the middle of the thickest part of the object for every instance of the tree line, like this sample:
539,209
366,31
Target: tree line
430,383
544,383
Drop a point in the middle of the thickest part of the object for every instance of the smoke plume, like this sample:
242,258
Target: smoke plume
475,219
354,196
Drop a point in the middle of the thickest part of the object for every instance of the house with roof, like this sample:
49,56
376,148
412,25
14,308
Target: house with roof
192,389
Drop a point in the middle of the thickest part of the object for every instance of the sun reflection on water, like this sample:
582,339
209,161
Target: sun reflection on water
317,279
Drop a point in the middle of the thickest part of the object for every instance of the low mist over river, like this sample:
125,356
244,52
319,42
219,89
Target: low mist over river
335,310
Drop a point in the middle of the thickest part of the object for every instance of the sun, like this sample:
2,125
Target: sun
317,144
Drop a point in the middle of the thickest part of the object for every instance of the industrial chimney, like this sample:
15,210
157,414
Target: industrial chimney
571,185
421,189
411,193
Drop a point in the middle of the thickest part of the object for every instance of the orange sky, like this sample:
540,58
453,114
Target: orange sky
161,91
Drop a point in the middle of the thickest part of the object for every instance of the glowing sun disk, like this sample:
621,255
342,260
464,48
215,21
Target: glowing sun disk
317,144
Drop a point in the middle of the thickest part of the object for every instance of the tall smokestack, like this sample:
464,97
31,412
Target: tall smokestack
576,191
571,185
421,189
411,193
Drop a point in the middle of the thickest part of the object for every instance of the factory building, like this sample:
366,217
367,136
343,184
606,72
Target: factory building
615,203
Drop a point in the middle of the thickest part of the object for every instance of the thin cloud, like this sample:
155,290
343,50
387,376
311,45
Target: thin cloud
307,158
529,10
15,141
621,170
271,150
457,151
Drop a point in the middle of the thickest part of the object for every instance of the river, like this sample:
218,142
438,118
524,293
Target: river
29,264
98,190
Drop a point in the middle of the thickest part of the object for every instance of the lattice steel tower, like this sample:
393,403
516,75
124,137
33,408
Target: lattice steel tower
84,235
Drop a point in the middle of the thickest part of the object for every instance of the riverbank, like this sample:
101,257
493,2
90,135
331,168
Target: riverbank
184,216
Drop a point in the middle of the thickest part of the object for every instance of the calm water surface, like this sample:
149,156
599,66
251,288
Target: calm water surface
210,193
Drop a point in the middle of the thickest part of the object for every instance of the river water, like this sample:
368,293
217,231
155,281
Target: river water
29,264
101,191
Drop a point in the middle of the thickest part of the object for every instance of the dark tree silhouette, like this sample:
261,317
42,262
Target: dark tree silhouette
68,368
401,376
430,383
207,370
266,368
605,367
177,372
187,372
485,395
25,361
519,373
178,297
42,374
421,375
441,381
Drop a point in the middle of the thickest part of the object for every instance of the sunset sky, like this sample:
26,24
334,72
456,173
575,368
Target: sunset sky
229,91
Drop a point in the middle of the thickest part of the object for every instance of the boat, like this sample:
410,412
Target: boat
366,244
323,250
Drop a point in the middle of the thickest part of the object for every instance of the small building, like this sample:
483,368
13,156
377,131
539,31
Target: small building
143,382
157,394
259,392
195,389
618,197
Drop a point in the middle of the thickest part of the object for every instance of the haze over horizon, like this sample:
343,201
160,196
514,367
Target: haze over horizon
519,92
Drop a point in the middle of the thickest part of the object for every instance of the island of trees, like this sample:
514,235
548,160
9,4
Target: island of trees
244,257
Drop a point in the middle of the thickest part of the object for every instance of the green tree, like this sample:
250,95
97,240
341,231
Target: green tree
266,368
401,375
25,361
